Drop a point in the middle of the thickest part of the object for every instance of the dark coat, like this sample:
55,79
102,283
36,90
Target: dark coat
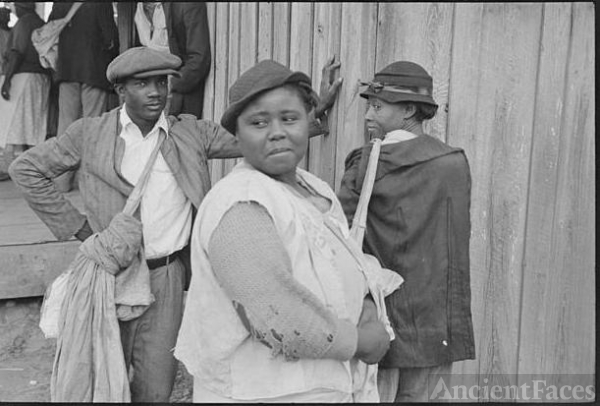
19,40
87,44
418,225
189,39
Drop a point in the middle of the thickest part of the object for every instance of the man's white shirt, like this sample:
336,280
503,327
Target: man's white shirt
166,212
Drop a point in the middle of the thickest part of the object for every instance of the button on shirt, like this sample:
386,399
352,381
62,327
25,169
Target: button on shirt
166,212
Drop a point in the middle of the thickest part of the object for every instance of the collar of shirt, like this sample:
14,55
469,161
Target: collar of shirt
397,136
126,122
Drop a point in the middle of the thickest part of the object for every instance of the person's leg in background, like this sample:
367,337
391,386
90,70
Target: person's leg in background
69,105
413,382
93,101
69,110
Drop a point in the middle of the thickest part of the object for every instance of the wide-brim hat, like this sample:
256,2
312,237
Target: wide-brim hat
263,76
142,62
401,81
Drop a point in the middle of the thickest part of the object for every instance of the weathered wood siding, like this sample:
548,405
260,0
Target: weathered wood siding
515,83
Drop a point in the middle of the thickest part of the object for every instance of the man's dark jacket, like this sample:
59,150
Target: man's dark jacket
418,225
87,44
189,39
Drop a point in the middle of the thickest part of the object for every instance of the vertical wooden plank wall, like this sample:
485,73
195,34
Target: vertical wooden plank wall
514,82
558,334
420,33
506,76
357,54
326,43
464,127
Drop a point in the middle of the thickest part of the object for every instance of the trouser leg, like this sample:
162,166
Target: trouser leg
93,100
413,382
69,105
148,341
69,110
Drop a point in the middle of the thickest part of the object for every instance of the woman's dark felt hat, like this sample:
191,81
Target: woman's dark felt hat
397,78
263,76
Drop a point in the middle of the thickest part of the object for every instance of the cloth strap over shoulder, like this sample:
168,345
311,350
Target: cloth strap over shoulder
138,191
360,216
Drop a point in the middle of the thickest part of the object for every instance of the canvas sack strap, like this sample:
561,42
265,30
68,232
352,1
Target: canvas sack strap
138,191
72,11
360,216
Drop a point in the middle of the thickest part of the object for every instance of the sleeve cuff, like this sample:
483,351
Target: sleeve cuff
345,341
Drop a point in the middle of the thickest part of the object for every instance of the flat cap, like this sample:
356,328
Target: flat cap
142,62
402,81
263,76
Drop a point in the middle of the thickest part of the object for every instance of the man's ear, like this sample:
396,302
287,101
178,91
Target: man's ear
119,88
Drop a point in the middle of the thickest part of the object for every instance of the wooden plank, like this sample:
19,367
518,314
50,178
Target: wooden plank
18,222
16,211
233,64
326,43
420,33
209,85
248,36
357,54
221,69
33,267
493,121
558,334
462,127
281,32
265,31
301,50
20,234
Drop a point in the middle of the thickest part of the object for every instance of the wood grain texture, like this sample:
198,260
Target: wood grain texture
301,49
233,62
209,85
508,70
357,54
29,269
558,333
326,43
420,33
18,222
463,132
281,32
221,74
265,31
498,112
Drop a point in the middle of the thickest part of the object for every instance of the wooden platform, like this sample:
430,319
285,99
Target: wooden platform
30,256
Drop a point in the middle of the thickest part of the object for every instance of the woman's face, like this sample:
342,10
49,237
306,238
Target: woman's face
272,133
382,117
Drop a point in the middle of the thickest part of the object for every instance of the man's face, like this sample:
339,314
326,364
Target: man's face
145,98
382,117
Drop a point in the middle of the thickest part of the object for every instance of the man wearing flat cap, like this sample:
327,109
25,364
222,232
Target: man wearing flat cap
111,151
418,225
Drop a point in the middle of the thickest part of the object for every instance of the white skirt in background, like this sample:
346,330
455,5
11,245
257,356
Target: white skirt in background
23,118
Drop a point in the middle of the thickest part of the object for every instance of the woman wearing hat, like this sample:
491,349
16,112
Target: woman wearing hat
417,225
278,306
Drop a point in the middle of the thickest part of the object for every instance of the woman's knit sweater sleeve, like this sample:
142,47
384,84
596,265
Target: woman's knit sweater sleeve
251,264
